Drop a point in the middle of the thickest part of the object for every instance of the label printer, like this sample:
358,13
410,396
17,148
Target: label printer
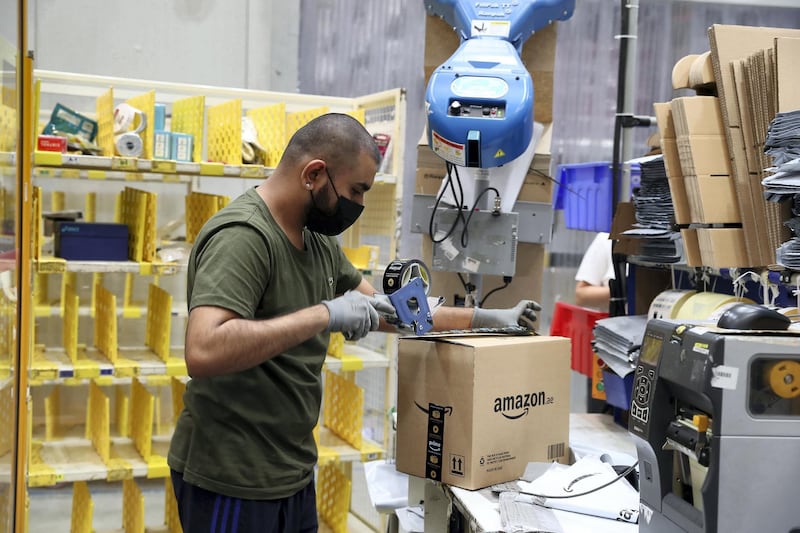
715,415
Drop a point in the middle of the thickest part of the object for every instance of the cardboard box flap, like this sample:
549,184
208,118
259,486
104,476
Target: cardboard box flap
483,341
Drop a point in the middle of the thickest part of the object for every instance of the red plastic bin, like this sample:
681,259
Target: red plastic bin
577,323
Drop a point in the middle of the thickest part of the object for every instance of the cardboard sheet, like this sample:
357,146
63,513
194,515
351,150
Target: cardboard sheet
730,44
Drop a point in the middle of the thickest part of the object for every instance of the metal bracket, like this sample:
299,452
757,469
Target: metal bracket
411,304
535,218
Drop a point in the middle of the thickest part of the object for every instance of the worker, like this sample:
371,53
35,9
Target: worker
594,273
267,283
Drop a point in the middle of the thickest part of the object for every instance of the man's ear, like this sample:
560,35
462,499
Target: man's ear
311,173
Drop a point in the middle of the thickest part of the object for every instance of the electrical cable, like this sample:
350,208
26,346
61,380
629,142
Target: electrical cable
457,198
465,231
595,489
464,283
506,282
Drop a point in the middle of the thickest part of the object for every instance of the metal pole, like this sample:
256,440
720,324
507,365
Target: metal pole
629,35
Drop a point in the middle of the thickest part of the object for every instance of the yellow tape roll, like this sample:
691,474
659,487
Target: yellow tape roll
783,378
707,306
668,303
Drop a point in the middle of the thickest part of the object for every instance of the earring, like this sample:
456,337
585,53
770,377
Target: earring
308,185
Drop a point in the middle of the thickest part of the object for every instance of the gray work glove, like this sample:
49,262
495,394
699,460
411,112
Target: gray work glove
519,315
385,308
354,314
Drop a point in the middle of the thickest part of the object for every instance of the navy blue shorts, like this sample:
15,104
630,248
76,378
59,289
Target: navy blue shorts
203,511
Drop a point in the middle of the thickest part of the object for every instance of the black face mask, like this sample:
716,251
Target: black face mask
344,215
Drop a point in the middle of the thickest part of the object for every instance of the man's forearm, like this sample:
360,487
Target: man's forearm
447,318
238,344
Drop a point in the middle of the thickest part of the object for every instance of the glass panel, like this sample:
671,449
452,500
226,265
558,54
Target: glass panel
774,391
8,209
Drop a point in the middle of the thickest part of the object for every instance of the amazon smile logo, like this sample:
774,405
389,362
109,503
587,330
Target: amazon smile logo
517,406
448,410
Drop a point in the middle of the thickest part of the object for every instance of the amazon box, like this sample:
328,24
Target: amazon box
473,411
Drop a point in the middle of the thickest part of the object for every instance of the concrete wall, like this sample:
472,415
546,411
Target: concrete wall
232,43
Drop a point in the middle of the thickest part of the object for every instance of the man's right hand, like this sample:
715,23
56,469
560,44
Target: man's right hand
353,314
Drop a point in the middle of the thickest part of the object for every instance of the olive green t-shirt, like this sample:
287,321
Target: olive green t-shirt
249,434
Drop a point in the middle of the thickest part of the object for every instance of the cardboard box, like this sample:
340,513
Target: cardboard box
51,143
704,155
162,145
697,115
691,247
666,124
182,145
712,199
680,200
672,158
474,411
91,241
624,219
722,247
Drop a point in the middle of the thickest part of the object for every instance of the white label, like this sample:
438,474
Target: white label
724,377
448,150
448,249
495,28
471,265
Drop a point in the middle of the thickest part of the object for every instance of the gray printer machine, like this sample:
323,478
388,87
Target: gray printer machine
715,415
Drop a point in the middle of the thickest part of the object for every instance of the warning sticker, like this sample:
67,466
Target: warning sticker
457,464
448,150
495,28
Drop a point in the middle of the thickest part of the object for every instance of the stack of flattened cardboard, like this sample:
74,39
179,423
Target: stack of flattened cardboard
698,167
749,78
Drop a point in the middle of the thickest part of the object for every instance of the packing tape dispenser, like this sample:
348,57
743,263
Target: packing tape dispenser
407,284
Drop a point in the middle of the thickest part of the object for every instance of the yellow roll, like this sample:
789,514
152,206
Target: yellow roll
783,378
707,306
668,303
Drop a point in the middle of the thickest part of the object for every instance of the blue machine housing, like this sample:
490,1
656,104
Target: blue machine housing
480,101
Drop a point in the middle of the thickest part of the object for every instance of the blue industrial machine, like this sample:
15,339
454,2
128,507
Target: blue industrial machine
479,106
480,101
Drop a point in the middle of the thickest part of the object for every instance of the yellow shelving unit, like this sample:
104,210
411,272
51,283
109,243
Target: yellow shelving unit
106,370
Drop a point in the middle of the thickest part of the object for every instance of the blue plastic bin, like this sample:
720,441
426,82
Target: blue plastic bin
584,193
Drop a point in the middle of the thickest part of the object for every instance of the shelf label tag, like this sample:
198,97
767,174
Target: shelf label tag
123,163
165,166
252,171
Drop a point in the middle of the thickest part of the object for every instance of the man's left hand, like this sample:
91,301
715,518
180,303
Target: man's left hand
522,314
